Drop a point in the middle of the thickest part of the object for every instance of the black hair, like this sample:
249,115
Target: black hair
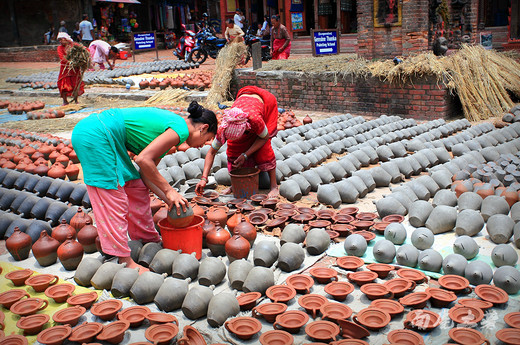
230,21
275,17
199,114
114,49
85,16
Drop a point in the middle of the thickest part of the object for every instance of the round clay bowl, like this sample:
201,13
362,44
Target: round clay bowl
367,235
280,293
269,311
157,318
211,194
302,218
325,214
319,223
416,300
513,319
245,207
266,211
114,332
509,336
19,277
454,283
393,218
300,282
59,293
41,282
467,336
408,273
201,200
399,286
343,230
323,274
276,222
8,298
69,316
86,332
350,263
375,291
322,330
351,211
258,218
362,277
55,335
422,320
258,198
191,337
382,270
441,298
466,315
269,203
491,294
285,213
373,319
84,299
366,216
306,210
285,206
352,330
405,337
380,227
339,290
363,224
291,321
106,310
475,302
161,334
135,315
28,306
343,219
243,327
13,339
349,342
32,324
332,234
335,311
312,303
247,301
392,307
276,338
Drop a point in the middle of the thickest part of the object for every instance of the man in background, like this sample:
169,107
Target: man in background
239,18
87,31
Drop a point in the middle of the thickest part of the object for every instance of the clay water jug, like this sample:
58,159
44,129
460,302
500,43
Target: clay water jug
454,264
19,245
478,272
123,281
102,279
265,253
87,236
216,240
422,238
395,233
211,271
384,251
171,294
80,219
146,287
317,241
246,229
148,252
508,279
502,255
355,245
222,307
407,255
195,304
234,220
163,261
291,257
237,247
259,279
292,233
237,273
430,260
70,253
185,266
217,215
45,249
86,270
466,246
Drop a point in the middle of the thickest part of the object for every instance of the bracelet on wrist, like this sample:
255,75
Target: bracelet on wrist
245,156
204,178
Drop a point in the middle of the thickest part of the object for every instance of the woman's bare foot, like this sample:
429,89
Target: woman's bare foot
228,190
132,264
273,193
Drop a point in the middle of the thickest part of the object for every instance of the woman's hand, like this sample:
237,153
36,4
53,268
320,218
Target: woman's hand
239,161
199,189
173,198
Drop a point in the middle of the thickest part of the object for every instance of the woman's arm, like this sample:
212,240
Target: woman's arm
257,144
208,162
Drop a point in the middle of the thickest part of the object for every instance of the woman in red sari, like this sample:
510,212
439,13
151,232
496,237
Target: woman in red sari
70,81
247,127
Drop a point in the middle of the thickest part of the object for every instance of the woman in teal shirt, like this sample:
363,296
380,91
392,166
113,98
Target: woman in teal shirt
118,192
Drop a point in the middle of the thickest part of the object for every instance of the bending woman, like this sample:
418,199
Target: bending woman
248,127
118,192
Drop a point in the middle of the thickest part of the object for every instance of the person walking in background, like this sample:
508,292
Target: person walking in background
280,39
239,18
70,81
266,29
62,27
87,31
49,35
233,32
76,34
101,52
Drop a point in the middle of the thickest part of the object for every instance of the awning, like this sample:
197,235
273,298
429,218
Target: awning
121,1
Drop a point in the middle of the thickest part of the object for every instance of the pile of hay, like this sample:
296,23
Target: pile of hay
78,58
167,97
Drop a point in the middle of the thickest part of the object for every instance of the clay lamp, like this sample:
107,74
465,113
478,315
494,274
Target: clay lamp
382,270
245,207
55,335
300,282
157,318
363,224
269,311
291,321
269,203
13,339
408,273
392,307
466,315
243,327
28,306
509,336
191,337
344,230
59,293
84,299
201,200
400,286
325,214
322,330
19,277
69,316
319,223
406,337
306,210
258,198
343,218
258,218
393,218
324,274
350,263
463,335
372,319
366,216
135,315
367,235
85,332
491,294
416,300
335,311
332,234
280,293
32,324
302,218
211,195
440,298
423,320
247,301
475,302
455,283
339,290
362,277
513,319
266,211
41,282
276,337
8,298
380,227
114,332
376,291
161,334
106,310
276,222
312,303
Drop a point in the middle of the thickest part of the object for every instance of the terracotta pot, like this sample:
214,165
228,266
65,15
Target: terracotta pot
509,336
62,231
87,237
322,330
72,172
392,307
372,319
491,294
475,302
466,315
243,327
324,274
45,249
106,310
269,311
191,337
351,330
291,321
19,244
216,240
32,324
335,311
59,293
28,306
85,332
245,229
350,263
300,282
423,320
361,277
312,303
375,291
258,218
41,282
114,332
280,293
405,337
10,297
416,300
237,247
367,235
399,286
158,318
382,270
69,316
247,301
70,253
19,277
134,315
161,334
440,298
455,283
366,216
343,218
325,214
234,220
55,335
339,290
85,299
80,219
407,273
363,224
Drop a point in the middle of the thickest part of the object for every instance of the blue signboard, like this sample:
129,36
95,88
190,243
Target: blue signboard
144,40
325,42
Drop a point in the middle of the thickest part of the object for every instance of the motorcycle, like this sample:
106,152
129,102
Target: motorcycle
207,45
249,39
185,45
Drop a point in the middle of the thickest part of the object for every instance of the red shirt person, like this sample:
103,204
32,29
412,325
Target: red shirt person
70,81
280,40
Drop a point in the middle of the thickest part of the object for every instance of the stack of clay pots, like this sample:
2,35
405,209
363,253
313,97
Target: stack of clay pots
26,107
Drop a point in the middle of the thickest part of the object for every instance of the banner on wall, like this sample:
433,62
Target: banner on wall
297,21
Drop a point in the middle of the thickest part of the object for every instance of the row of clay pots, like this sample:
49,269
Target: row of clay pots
49,114
513,115
19,108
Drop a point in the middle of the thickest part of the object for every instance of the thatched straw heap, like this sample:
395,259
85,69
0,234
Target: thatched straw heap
169,96
78,58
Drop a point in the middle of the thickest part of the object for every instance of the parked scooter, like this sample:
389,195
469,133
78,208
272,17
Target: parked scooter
185,45
207,45
249,39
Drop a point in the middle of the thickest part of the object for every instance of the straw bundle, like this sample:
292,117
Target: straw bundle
169,96
78,58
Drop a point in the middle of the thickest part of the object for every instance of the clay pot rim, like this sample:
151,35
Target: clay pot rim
454,314
41,304
360,317
349,288
64,289
321,324
271,293
98,327
57,315
504,334
358,262
39,324
453,334
106,308
230,326
396,332
278,334
483,290
149,333
381,303
512,319
41,336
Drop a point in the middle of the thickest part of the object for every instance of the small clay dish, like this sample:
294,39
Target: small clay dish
335,311
455,283
509,336
422,319
157,318
346,342
467,336
475,302
135,315
243,327
69,316
276,338
322,330
513,319
10,297
416,300
211,195
392,307
380,227
28,306
269,203
280,293
362,277
258,198
106,310
376,291
84,299
41,282
32,324
363,224
367,235
325,214
324,274
276,222
269,311
285,206
491,294
258,218
400,286
344,230
19,277
55,335
405,337
306,210
291,321
245,207
441,298
86,332
393,218
350,263
343,218
408,273
302,218
300,282
366,216
332,234
114,332
13,339
266,211
382,270
319,223
466,315
352,330
161,334
247,301
59,293
339,290
201,200
190,337
372,319
351,211
312,303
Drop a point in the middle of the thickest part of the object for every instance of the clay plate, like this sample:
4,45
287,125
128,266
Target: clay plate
491,294
276,338
59,293
54,335
468,336
405,337
106,310
324,274
32,324
161,334
269,311
291,320
416,319
408,273
247,301
466,315
300,282
191,337
280,293
509,336
322,330
28,306
243,327
335,311
475,302
339,290
19,277
350,263
392,307
513,319
85,332
373,319
312,303
135,315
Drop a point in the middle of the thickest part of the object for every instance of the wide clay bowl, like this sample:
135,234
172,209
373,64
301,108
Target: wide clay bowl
135,315
10,297
243,327
114,332
276,222
380,227
362,277
28,306
351,210
291,321
363,224
343,230
245,207
405,337
416,300
302,218
422,320
19,277
280,293
509,336
366,216
161,334
382,270
343,218
367,235
258,218
157,318
335,311
106,310
325,214
372,319
476,303
322,330
32,324
348,342
191,337
393,218
392,307
247,301
319,223
375,291
408,273
441,298
84,299
350,263
276,338
467,336
466,315
59,293
285,213
312,303
306,210
41,282
85,332
211,194
491,294
339,290
352,330
399,286
269,311
455,283
324,274
513,319
55,335
300,282
69,316
258,198
13,339
285,206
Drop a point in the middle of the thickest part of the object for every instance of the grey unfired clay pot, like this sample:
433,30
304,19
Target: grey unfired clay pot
347,191
163,261
355,245
135,249
317,241
442,219
86,270
329,195
422,238
291,257
454,264
389,205
265,253
500,228
123,281
290,190
146,287
259,279
508,279
171,294
384,251
292,233
407,255
494,205
196,301
430,260
148,252
185,266
504,255
419,213
222,307
445,197
211,271
478,272
237,273
469,222
395,233
469,201
102,279
466,246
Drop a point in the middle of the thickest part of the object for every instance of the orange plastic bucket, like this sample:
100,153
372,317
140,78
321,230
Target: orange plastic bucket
188,239
244,182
